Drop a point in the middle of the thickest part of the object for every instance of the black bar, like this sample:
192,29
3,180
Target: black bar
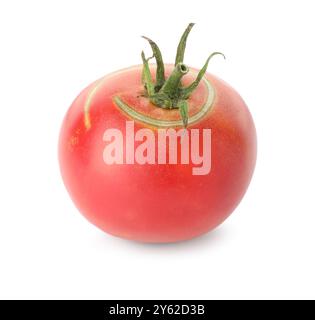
151,309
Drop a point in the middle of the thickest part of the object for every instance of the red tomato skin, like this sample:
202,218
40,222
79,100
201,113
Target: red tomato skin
155,202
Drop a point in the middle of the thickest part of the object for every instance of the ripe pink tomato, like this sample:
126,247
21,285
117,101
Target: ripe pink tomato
112,161
155,202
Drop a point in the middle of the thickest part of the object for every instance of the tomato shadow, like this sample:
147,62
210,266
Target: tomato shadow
216,237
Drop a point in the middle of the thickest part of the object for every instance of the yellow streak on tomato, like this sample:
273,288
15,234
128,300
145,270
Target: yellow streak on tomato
87,119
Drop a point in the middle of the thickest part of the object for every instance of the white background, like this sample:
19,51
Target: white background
50,50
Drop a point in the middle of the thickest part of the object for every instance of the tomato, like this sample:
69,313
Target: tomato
113,166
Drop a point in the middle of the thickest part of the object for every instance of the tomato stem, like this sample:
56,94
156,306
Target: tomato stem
169,93
172,84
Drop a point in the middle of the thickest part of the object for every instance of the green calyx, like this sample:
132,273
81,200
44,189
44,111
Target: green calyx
169,93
